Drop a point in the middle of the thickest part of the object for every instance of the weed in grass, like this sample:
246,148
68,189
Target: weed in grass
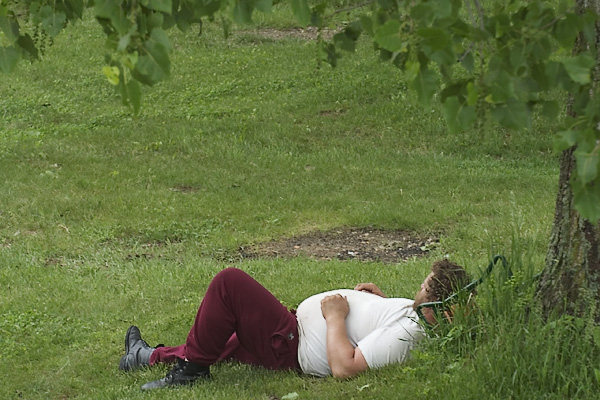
505,349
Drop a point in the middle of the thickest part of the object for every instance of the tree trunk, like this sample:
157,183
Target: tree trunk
571,279
570,282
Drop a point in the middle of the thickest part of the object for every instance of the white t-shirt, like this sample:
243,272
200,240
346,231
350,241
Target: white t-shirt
385,330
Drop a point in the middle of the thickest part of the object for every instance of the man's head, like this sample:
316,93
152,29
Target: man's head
445,278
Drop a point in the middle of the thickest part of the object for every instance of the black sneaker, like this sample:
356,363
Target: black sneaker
137,351
184,373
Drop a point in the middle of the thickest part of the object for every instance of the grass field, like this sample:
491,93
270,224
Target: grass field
108,220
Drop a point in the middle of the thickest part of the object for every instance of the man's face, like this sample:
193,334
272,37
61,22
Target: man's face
423,295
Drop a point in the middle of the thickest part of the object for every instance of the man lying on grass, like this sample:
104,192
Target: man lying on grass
341,332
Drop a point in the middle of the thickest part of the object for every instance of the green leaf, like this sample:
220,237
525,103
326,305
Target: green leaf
587,166
542,48
586,200
388,36
459,116
512,114
263,5
518,57
343,42
134,95
301,11
579,68
501,86
10,28
435,38
226,24
550,109
468,61
472,94
502,25
206,7
105,8
346,40
242,12
159,36
328,53
317,14
121,23
154,20
154,64
436,44
74,8
26,43
367,24
555,75
423,13
411,69
52,22
588,25
425,84
112,74
441,8
9,56
184,15
566,30
160,5
584,139
124,42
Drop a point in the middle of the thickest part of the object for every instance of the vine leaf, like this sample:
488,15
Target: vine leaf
459,116
131,94
10,28
52,22
586,200
587,166
242,12
387,36
154,65
565,139
160,5
579,68
301,11
425,84
9,56
105,8
512,114
263,5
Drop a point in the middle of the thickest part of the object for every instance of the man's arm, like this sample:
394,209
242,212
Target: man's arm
344,359
370,288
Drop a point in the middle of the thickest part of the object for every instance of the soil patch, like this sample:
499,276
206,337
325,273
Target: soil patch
364,244
308,33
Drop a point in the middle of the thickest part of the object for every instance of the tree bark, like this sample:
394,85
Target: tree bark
570,282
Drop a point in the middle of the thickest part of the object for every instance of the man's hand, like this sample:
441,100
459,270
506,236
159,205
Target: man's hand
335,306
370,288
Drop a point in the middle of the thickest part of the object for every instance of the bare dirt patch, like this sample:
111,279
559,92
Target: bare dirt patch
364,244
308,33
333,112
184,189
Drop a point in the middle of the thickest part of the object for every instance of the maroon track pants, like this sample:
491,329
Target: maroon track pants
238,319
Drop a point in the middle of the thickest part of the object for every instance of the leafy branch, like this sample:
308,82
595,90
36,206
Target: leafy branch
526,51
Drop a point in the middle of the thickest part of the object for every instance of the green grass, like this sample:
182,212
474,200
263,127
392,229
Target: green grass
108,220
